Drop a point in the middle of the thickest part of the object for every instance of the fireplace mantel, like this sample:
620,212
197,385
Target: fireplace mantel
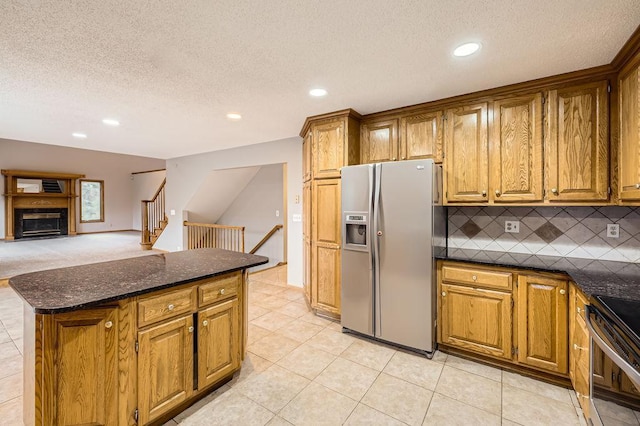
23,200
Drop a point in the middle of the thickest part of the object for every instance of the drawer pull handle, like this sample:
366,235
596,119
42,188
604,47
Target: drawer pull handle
171,307
108,324
563,291
205,323
191,329
579,310
473,277
576,347
444,294
579,395
222,291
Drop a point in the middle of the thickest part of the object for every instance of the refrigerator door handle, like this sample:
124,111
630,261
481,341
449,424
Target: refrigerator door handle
375,246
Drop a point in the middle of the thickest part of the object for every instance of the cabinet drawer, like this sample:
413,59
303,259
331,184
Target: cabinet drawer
477,277
168,305
220,288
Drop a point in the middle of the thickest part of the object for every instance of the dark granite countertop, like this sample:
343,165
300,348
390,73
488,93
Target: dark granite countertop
68,289
594,277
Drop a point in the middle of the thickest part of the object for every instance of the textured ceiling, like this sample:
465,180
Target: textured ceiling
170,70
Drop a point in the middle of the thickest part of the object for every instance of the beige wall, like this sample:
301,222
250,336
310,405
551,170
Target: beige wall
114,169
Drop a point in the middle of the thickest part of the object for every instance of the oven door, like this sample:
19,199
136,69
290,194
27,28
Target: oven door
606,336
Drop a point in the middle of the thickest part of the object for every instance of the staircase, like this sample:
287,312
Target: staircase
154,219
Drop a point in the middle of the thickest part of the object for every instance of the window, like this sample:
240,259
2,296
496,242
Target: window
91,200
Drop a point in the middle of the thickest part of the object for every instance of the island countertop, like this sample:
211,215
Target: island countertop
67,289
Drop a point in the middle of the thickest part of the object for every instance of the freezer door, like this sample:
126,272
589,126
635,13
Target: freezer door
357,309
404,228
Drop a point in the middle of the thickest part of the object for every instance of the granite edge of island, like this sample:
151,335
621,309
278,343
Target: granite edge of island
20,283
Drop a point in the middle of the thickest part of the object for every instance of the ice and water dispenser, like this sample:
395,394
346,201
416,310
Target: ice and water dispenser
356,231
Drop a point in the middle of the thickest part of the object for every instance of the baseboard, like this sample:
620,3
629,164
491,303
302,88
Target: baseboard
105,232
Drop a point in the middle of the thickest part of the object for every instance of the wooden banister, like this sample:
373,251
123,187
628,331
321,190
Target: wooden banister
211,235
266,238
154,219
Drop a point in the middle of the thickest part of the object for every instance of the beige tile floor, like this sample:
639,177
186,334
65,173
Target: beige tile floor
301,370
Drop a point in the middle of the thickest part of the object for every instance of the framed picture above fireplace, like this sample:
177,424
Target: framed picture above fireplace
91,200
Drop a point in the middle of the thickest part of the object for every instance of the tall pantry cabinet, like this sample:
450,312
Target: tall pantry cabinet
331,141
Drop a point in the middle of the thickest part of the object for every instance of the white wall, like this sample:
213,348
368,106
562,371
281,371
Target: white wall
185,173
114,169
255,209
144,187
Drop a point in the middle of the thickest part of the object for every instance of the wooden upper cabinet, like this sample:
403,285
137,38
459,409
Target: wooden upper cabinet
466,147
328,149
515,160
542,322
379,141
577,144
421,136
81,353
306,157
629,163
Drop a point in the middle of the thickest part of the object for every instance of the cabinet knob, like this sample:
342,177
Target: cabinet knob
484,193
403,158
108,324
563,291
393,159
171,307
444,294
498,193
554,190
473,277
205,323
637,185
191,329
579,309
222,291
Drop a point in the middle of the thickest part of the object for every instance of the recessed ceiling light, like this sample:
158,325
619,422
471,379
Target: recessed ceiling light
79,135
466,49
317,92
111,122
234,116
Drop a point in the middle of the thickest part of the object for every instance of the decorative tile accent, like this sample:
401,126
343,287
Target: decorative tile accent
470,229
548,232
558,231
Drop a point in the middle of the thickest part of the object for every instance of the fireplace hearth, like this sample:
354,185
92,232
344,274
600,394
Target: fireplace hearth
30,223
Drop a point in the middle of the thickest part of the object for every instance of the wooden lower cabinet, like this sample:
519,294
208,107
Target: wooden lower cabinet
542,322
81,349
165,367
325,294
218,338
476,319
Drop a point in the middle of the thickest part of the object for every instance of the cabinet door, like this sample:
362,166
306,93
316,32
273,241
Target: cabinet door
328,149
306,157
165,367
515,150
379,141
81,350
466,146
326,241
542,322
627,387
477,320
602,369
629,164
577,146
579,349
218,337
421,136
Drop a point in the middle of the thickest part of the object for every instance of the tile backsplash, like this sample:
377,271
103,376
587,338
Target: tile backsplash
556,231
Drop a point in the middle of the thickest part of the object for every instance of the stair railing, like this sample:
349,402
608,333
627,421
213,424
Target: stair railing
211,235
154,219
266,238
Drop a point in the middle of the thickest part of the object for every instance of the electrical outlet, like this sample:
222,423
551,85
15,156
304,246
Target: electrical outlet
172,212
512,226
613,230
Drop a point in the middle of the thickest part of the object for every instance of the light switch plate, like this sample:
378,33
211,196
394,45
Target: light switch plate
512,226
297,218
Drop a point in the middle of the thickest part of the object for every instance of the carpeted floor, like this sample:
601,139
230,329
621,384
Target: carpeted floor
19,257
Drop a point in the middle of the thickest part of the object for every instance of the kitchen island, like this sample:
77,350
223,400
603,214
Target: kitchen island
132,341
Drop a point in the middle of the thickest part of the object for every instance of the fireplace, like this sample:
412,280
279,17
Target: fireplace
40,222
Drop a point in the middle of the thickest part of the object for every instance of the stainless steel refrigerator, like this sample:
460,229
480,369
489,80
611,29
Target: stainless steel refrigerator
393,222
